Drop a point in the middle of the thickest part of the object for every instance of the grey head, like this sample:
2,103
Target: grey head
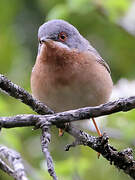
58,29
65,33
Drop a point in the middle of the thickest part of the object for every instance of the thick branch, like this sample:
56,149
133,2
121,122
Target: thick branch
70,116
121,159
123,104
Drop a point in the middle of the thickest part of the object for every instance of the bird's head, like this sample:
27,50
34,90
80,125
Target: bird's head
63,34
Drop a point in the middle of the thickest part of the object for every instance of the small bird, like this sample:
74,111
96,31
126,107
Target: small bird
69,73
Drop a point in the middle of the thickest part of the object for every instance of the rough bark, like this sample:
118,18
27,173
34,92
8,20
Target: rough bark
121,159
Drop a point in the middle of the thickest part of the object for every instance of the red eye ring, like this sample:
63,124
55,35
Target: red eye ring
62,36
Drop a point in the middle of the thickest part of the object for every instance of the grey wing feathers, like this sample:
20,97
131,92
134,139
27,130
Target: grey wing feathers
99,58
101,61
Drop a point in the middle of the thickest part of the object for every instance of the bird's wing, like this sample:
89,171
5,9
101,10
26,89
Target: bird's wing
99,58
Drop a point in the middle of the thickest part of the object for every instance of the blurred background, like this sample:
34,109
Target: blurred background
110,27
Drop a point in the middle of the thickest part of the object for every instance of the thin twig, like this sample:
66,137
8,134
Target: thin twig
45,141
15,161
6,168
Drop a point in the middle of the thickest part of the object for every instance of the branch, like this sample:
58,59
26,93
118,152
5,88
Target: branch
15,161
45,141
19,93
122,160
6,169
70,116
123,104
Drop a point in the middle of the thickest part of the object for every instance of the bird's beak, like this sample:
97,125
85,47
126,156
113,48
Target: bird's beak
42,43
44,40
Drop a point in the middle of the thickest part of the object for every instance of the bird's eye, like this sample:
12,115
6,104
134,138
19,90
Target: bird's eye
62,36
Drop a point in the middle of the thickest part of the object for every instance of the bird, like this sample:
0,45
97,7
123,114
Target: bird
69,73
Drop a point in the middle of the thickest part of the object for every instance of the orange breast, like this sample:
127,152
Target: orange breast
65,79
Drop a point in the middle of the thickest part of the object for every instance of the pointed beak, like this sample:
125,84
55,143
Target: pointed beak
44,40
42,43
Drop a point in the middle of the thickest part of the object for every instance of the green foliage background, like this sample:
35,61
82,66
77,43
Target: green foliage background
97,21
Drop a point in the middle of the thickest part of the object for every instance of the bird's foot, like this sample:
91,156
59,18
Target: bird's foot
61,131
99,133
